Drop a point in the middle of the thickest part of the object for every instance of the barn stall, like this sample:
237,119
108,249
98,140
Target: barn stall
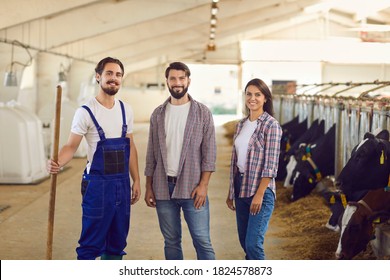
355,108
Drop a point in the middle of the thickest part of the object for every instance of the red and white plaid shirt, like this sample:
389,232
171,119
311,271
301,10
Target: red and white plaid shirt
198,153
262,156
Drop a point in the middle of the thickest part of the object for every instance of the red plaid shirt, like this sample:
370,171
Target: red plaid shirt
262,157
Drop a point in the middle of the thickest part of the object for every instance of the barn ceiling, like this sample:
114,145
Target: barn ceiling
148,33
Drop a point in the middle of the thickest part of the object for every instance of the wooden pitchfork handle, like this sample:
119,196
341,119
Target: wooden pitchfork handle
49,248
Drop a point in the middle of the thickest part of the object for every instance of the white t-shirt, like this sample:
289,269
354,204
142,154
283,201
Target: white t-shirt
110,121
175,124
242,141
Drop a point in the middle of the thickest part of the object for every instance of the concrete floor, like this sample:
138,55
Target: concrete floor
23,225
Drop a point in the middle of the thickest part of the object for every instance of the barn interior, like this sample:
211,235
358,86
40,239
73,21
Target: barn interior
319,57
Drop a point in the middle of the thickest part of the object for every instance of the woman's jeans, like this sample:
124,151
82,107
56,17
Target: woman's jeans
252,228
198,221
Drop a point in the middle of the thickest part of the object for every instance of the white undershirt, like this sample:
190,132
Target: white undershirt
109,119
175,124
242,141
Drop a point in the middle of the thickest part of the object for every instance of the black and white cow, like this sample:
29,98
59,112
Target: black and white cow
368,166
357,225
298,149
370,150
292,130
337,201
313,168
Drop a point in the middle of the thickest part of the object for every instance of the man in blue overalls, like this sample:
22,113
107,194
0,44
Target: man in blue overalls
107,125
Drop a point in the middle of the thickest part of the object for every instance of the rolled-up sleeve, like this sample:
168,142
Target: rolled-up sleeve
150,158
272,150
209,147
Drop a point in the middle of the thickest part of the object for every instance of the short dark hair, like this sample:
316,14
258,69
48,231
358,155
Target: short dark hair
264,89
100,66
178,66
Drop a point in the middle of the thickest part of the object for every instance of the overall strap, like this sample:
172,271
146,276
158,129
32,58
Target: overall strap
98,127
124,126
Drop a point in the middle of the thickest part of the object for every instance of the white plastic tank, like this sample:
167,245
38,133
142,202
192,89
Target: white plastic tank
22,156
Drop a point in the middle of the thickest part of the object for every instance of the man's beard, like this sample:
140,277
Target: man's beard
109,90
178,95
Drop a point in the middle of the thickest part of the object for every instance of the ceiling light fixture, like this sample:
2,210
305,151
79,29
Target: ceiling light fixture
213,25
62,75
214,8
10,79
211,47
213,20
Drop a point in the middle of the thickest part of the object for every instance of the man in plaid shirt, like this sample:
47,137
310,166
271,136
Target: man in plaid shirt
180,158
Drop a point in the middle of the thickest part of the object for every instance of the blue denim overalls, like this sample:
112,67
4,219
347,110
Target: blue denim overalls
106,197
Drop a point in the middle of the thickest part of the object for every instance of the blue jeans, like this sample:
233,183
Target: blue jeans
252,228
198,221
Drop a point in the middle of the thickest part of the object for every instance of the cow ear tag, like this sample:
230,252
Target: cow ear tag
387,188
288,146
332,200
382,158
344,200
310,180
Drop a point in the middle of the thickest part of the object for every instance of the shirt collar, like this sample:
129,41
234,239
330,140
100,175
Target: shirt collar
169,98
261,118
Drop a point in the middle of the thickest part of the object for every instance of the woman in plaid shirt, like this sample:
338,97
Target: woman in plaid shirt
254,166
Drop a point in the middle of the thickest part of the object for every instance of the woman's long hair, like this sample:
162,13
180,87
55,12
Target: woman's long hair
268,106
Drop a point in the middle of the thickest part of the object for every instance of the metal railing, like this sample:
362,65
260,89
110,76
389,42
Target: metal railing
355,108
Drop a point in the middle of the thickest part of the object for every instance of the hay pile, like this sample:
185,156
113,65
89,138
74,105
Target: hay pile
303,221
230,128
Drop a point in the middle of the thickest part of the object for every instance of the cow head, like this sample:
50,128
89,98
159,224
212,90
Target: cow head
289,168
315,131
299,155
287,135
356,232
310,169
357,222
336,201
303,180
291,131
369,164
